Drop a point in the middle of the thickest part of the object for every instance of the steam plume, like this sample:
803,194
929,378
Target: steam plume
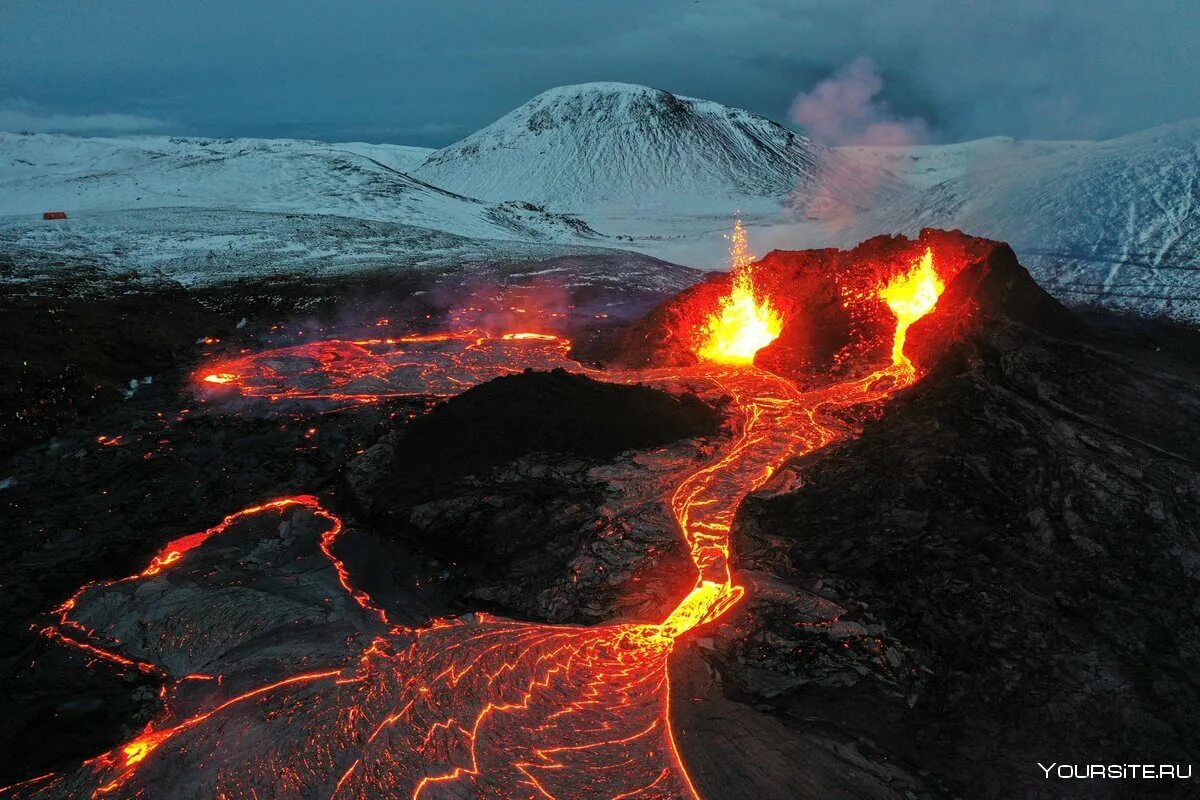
844,110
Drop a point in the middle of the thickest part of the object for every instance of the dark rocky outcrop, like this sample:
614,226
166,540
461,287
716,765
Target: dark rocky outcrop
505,483
547,412
65,356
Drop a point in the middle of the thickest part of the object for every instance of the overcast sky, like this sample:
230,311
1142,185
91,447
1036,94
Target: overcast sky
428,73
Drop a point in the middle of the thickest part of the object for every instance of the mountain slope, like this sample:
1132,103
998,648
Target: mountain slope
204,246
1115,223
41,172
614,145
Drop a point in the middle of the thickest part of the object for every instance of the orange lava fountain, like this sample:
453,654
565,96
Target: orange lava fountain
481,706
911,296
744,323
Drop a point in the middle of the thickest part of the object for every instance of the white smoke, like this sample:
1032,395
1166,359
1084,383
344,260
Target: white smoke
845,110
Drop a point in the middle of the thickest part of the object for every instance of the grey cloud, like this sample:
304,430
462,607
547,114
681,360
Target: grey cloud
19,115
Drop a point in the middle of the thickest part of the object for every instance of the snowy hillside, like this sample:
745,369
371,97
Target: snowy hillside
41,172
598,146
204,246
922,166
393,156
1115,222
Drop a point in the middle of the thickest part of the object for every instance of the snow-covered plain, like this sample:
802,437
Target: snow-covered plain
610,166
202,246
283,176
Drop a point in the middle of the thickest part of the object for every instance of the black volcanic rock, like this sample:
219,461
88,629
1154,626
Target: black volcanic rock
502,483
66,356
548,412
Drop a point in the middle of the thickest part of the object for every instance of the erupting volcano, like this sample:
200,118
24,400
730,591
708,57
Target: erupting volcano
476,706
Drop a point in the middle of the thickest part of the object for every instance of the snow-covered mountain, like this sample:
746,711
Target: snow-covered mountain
597,146
1115,222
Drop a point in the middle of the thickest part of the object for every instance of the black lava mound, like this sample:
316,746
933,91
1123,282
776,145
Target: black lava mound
499,484
546,412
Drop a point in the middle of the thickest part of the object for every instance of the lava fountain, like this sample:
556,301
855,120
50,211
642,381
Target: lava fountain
743,324
911,295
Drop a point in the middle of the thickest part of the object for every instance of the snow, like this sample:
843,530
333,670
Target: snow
393,156
604,165
40,172
200,246
604,146
923,166
1114,223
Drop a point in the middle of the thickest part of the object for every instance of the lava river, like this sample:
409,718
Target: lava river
472,707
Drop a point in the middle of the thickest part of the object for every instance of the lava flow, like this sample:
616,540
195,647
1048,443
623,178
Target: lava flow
478,706
911,296
366,370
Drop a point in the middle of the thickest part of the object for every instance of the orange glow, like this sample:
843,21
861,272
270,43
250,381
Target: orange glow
704,603
545,337
911,296
139,748
743,324
421,365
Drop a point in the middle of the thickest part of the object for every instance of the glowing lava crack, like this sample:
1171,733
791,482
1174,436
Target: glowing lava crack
477,706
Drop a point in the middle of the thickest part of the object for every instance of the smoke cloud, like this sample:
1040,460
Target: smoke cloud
843,109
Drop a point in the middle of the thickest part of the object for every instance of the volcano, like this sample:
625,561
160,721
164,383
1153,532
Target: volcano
841,563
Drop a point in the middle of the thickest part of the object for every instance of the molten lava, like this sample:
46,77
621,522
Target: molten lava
910,296
476,706
369,370
743,324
